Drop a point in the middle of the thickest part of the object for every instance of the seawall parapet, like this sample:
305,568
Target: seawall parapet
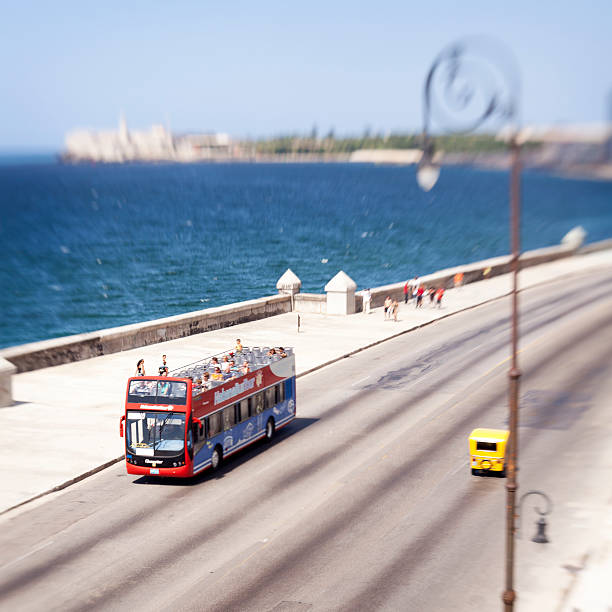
476,271
37,355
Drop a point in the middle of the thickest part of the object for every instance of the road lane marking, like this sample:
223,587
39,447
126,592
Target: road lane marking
263,543
460,467
34,550
527,346
495,367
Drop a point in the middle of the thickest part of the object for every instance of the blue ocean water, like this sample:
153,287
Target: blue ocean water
94,246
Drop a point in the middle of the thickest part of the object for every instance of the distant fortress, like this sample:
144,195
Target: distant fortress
583,150
155,144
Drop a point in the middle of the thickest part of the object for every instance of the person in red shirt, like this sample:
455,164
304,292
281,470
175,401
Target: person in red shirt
420,292
439,294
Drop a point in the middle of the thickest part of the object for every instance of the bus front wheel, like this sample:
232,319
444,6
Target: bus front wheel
216,458
269,429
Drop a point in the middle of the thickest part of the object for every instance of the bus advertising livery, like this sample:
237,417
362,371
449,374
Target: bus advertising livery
183,423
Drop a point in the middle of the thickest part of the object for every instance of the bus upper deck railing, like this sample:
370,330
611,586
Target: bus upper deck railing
256,357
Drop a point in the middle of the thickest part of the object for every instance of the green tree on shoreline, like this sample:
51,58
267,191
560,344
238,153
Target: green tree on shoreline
330,144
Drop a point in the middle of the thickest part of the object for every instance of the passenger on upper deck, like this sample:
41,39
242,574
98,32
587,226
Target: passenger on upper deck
140,369
246,368
143,387
214,362
217,374
281,351
225,365
163,368
206,382
271,352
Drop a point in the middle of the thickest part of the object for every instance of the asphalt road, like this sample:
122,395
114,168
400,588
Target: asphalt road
366,501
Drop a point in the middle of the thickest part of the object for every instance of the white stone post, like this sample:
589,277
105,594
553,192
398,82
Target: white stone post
7,369
289,284
574,238
341,294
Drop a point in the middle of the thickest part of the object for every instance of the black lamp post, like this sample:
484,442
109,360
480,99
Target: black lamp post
470,83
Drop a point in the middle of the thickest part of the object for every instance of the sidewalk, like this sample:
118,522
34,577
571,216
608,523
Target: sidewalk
65,419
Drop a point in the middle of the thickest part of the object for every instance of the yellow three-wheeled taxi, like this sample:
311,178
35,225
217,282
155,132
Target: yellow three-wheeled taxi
488,451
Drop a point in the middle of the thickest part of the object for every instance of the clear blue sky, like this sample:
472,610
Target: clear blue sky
262,68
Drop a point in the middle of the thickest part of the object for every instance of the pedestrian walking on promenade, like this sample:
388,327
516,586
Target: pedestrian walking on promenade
415,286
419,299
439,294
431,294
387,308
394,309
140,369
367,301
458,279
407,292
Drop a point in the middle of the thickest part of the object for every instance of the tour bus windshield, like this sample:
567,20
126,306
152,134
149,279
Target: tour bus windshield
157,392
155,433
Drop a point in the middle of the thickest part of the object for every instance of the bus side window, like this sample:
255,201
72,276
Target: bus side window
270,394
214,427
258,399
237,412
280,393
229,417
245,412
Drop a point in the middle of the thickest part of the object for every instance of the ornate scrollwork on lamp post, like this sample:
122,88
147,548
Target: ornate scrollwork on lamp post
471,83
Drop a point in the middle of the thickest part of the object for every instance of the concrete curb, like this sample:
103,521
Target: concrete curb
66,484
405,331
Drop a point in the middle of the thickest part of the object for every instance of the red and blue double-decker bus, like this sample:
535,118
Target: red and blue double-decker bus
176,427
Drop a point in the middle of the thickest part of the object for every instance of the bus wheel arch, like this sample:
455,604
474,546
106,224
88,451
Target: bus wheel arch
217,457
270,429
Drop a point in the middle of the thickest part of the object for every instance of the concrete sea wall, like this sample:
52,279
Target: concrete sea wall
476,271
36,355
57,351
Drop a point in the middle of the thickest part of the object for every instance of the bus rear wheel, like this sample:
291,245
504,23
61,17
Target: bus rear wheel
269,429
216,458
